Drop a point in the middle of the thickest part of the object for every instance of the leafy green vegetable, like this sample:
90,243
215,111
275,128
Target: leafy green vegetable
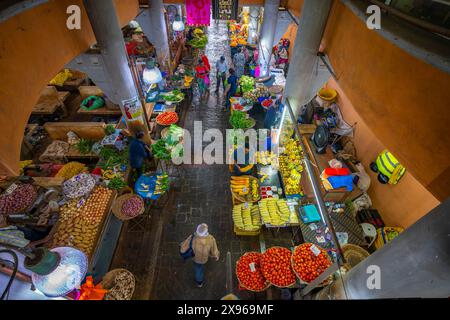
239,120
109,129
116,183
160,151
84,146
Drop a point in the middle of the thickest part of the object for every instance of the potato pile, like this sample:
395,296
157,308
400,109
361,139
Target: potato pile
79,223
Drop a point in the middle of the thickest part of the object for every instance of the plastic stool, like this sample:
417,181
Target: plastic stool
369,231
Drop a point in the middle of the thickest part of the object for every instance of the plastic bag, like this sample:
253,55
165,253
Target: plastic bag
92,103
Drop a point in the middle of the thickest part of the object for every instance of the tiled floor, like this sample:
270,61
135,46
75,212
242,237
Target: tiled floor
200,194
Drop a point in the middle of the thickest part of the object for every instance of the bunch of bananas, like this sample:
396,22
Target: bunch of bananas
265,157
110,174
274,211
255,190
246,217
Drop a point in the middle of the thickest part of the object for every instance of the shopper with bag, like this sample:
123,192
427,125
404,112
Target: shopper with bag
200,246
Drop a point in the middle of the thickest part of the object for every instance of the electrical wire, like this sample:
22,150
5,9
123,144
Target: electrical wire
13,275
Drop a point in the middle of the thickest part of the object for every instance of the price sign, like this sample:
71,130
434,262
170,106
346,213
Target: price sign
252,267
315,250
11,189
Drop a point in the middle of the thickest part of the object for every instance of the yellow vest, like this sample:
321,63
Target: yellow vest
389,166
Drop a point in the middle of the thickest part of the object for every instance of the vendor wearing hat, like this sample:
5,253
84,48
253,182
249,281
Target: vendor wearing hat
204,246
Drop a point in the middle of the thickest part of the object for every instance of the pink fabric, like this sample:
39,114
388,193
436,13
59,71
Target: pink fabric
198,12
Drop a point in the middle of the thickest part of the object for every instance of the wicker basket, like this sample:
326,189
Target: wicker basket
268,284
324,283
288,286
109,282
354,254
118,203
242,198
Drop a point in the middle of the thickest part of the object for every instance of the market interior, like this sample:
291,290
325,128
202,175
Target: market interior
299,218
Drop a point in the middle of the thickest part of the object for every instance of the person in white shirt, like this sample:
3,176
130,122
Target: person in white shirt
221,73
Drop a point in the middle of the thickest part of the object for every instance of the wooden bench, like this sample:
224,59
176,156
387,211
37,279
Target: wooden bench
78,78
87,91
86,130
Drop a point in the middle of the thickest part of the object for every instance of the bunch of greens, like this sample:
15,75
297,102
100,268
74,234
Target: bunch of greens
175,134
84,146
239,120
116,183
160,151
173,96
109,130
247,83
199,42
111,157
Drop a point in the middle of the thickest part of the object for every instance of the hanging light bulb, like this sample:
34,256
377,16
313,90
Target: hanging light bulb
58,271
152,74
178,24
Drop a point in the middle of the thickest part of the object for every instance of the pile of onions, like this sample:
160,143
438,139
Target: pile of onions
18,200
132,207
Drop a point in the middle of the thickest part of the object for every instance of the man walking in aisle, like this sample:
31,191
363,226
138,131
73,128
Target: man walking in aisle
204,246
221,73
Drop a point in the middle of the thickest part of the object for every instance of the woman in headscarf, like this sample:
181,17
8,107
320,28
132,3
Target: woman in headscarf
204,246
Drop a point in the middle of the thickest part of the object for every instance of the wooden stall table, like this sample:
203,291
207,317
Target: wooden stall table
49,101
74,154
78,78
86,130
87,91
103,111
320,163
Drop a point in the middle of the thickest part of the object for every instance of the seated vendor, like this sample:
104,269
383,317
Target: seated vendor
138,153
238,168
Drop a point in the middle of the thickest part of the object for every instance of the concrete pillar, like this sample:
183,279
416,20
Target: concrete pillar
304,59
267,35
416,264
153,23
104,22
253,24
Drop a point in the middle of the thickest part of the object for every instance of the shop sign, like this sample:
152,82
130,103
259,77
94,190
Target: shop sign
132,108
225,9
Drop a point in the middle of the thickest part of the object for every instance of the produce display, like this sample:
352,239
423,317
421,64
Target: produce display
266,158
78,186
174,135
80,221
274,211
162,184
291,168
249,274
240,120
247,83
133,206
246,188
188,81
84,146
122,287
246,217
160,150
71,169
255,94
116,183
267,103
16,198
270,192
167,118
200,39
110,157
276,267
309,261
109,129
172,96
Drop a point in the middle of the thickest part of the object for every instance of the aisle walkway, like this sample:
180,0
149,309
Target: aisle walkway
202,195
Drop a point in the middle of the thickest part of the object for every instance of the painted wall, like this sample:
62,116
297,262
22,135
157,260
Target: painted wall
35,45
404,100
399,205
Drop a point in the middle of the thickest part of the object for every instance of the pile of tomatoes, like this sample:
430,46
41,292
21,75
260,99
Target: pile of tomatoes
248,271
306,264
276,267
167,118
